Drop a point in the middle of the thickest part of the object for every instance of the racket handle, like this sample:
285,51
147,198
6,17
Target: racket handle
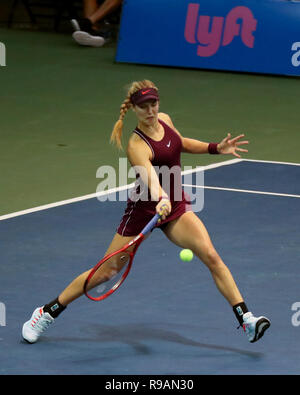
151,224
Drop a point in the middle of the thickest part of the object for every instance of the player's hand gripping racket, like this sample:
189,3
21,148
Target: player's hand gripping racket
109,273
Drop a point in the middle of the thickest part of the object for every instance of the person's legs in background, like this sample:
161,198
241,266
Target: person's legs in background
91,30
89,7
97,13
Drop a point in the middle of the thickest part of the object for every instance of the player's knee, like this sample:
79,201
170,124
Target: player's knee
211,258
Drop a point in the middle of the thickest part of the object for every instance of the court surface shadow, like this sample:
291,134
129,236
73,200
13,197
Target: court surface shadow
135,335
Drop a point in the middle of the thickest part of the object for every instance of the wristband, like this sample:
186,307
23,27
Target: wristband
213,148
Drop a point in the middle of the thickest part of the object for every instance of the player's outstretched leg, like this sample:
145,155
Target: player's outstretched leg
43,317
189,232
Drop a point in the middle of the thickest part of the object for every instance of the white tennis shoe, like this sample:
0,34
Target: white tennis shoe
84,38
37,324
255,326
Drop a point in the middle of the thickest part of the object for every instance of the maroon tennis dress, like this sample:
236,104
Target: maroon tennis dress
165,155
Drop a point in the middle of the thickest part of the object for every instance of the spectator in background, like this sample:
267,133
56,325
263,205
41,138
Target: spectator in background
89,30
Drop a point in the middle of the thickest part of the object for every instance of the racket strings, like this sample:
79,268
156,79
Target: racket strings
108,275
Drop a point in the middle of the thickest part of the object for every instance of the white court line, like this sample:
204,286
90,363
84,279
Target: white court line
212,166
64,202
272,162
113,190
242,190
94,195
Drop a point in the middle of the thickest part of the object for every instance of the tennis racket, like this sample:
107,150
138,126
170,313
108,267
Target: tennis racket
109,273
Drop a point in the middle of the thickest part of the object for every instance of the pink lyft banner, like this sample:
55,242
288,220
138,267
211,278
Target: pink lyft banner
246,36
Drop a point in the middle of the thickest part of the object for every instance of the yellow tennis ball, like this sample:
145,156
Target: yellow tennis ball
186,255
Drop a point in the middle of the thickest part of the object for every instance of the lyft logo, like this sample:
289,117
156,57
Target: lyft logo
212,32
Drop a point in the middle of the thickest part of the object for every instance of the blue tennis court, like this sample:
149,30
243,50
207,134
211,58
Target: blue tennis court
168,317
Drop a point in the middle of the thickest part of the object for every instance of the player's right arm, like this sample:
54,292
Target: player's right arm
139,155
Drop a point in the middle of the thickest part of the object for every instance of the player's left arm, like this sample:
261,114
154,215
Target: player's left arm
227,146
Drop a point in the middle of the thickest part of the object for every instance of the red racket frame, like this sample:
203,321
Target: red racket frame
137,241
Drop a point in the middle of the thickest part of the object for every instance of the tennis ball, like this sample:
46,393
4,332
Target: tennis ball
186,255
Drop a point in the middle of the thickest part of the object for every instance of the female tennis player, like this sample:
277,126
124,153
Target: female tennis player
155,143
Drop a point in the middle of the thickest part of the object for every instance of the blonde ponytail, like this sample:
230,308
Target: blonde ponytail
116,135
